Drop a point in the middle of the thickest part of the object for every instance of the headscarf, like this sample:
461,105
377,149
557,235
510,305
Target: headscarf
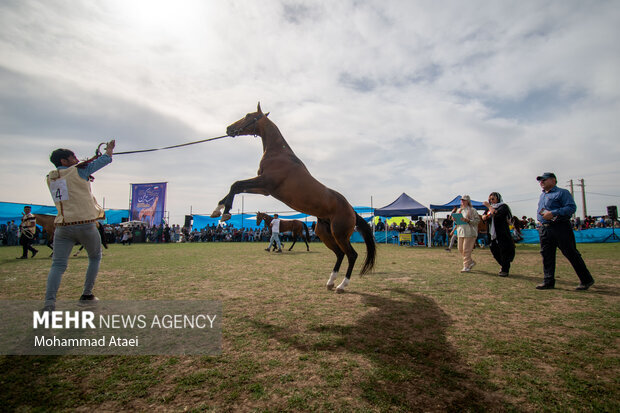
495,206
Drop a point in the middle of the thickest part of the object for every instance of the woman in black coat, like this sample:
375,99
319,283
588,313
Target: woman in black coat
502,244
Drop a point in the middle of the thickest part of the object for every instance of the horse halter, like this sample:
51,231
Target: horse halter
253,122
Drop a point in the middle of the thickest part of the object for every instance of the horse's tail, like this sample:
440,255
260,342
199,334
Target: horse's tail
306,231
369,239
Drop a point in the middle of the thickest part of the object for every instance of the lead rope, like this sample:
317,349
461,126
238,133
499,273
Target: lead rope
165,147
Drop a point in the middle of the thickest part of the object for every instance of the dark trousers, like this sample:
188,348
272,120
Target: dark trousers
26,245
560,235
503,252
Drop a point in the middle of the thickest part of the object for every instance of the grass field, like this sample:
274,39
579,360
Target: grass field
416,335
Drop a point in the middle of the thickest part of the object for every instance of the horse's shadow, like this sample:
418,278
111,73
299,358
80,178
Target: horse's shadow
415,366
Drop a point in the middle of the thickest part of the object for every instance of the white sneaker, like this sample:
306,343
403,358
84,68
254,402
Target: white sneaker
472,265
466,269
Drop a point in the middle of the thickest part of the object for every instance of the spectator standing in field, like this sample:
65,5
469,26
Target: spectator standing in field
555,207
467,232
28,229
78,212
502,244
275,234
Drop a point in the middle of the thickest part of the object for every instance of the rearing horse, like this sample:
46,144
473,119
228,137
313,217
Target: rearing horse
298,228
284,176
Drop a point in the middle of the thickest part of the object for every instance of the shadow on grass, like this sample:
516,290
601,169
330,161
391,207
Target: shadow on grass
415,367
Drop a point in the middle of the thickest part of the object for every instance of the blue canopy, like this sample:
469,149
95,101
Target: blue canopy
403,206
115,216
456,202
12,211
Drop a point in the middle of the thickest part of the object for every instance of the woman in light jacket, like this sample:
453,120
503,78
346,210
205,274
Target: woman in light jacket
468,232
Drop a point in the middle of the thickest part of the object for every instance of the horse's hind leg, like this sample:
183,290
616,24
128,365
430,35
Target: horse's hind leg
305,239
294,235
324,233
342,236
351,257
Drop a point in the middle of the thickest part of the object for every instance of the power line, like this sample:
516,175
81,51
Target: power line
596,193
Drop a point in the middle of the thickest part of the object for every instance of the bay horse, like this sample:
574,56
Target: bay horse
298,228
47,222
284,176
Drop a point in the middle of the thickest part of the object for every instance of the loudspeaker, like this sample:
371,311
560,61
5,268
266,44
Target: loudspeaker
124,219
612,212
188,220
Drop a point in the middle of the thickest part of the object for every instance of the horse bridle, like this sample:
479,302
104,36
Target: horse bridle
254,122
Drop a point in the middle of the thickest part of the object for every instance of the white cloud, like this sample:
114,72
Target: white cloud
377,98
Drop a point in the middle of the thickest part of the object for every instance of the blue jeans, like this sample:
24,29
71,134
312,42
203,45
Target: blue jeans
64,240
275,239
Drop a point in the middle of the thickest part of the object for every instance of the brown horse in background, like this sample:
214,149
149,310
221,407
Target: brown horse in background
47,222
298,228
284,176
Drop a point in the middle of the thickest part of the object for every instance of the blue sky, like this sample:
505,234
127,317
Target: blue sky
434,99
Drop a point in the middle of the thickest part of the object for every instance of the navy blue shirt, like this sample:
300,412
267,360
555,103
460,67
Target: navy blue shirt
559,202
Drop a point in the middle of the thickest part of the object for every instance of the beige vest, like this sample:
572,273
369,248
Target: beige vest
71,194
29,223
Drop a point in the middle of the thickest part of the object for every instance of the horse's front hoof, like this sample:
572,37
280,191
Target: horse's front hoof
225,217
339,290
216,213
330,287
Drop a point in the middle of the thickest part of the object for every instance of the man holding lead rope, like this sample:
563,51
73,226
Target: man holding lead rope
78,212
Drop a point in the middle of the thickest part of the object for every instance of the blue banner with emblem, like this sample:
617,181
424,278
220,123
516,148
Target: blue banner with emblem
148,203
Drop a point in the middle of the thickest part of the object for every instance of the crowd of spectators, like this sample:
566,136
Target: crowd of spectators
592,222
216,233
440,231
441,228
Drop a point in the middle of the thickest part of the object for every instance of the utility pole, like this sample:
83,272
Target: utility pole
572,191
583,197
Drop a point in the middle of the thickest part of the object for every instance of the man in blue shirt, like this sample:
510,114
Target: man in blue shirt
555,207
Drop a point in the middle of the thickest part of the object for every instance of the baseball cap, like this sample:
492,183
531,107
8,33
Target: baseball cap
546,175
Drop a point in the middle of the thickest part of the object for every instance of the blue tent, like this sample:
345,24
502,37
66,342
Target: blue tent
404,205
456,202
115,216
12,211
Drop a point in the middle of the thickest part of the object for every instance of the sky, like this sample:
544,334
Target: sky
431,98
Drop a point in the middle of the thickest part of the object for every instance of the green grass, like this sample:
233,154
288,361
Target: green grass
416,335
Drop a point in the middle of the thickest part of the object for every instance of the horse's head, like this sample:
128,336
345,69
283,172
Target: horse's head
259,218
248,125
